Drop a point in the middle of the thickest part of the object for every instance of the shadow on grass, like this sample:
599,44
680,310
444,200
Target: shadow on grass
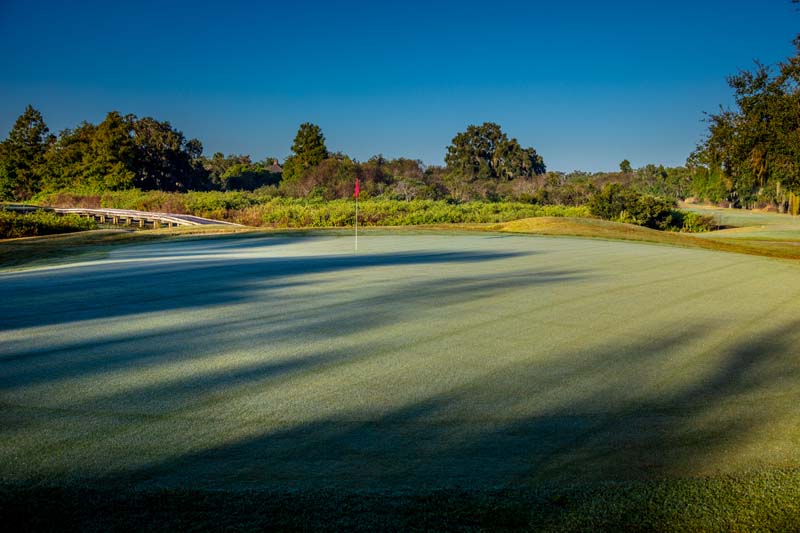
477,435
608,413
125,288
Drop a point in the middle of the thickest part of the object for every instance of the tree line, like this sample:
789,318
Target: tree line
124,152
749,158
751,154
121,152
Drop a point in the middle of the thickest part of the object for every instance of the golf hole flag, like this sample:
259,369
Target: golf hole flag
355,195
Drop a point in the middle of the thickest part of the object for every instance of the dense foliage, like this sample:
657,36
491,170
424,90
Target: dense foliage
751,155
263,208
485,153
623,204
14,225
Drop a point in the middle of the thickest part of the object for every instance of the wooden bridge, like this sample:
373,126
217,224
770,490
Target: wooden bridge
123,217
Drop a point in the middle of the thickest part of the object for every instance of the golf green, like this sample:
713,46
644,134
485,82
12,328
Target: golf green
423,361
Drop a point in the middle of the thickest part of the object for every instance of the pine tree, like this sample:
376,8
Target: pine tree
22,156
309,151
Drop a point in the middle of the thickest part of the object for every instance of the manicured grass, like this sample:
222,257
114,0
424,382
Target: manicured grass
772,241
515,377
755,501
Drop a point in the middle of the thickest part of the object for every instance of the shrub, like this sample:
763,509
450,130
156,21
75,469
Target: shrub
263,207
14,225
696,223
622,204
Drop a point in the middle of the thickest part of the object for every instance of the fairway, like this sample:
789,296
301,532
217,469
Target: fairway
425,361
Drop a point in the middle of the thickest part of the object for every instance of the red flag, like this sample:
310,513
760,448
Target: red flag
355,194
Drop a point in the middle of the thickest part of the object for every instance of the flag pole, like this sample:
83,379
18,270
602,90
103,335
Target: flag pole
355,193
356,224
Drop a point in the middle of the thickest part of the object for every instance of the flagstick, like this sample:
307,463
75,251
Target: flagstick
356,224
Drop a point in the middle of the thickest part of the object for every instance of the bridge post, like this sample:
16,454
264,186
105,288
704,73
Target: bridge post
156,224
141,222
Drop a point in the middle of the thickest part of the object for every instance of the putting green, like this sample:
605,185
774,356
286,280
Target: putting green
428,360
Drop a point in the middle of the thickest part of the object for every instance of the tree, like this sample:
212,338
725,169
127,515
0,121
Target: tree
308,149
756,146
485,152
66,158
165,160
109,163
625,167
22,156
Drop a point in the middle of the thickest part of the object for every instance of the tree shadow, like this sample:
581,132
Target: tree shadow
487,434
591,413
124,288
30,366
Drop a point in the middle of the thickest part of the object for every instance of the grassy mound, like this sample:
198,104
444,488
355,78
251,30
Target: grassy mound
773,243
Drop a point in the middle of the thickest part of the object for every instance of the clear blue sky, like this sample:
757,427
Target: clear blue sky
587,83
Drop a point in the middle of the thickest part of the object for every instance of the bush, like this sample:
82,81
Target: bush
14,225
622,204
263,207
696,223
283,212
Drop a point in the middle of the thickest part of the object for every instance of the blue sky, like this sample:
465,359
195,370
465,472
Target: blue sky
586,83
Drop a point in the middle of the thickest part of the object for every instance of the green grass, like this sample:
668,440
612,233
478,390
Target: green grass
771,241
483,379
749,502
741,217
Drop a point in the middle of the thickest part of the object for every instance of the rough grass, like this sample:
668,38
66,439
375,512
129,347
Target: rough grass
475,380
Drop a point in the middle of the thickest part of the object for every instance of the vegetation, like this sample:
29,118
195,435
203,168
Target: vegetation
622,204
751,155
309,151
128,162
263,208
14,225
125,152
485,154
